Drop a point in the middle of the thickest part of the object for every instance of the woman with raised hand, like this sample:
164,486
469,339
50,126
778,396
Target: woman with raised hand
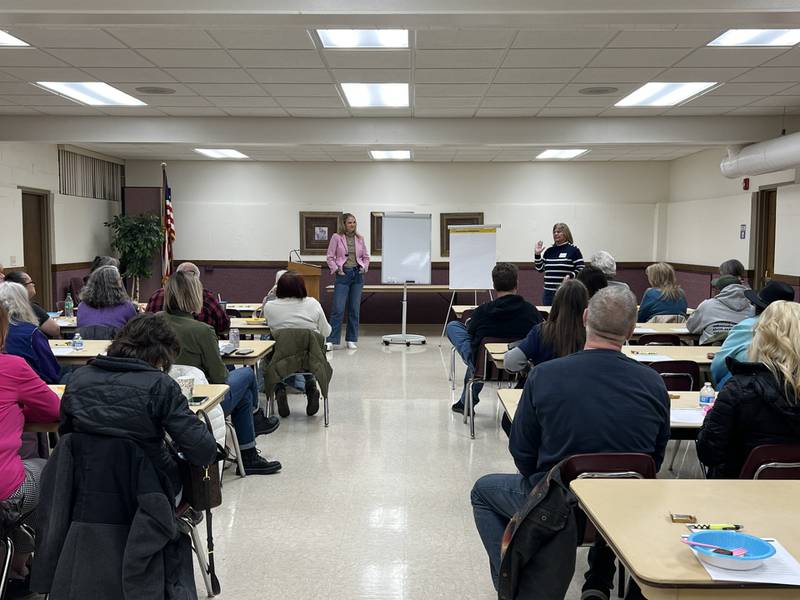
561,260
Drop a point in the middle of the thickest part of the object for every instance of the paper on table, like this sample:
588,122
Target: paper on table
691,416
781,568
681,330
65,322
62,350
639,330
645,357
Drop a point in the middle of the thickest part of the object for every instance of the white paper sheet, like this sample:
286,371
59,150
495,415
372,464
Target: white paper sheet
681,330
781,568
641,330
645,357
62,350
690,416
65,322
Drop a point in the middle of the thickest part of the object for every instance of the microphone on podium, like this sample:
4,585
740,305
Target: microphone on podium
297,254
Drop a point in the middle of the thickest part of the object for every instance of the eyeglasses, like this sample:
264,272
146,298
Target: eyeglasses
30,283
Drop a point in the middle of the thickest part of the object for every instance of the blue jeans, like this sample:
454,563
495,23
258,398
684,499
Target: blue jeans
495,499
547,297
240,402
346,294
459,337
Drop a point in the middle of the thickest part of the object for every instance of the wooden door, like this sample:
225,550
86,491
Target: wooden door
35,244
763,248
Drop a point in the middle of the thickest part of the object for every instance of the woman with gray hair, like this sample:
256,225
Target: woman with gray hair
25,339
104,300
606,263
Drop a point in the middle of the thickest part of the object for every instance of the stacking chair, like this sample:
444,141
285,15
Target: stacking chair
483,371
606,465
465,316
667,319
772,461
9,521
659,339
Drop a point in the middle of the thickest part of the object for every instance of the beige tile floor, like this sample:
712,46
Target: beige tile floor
377,505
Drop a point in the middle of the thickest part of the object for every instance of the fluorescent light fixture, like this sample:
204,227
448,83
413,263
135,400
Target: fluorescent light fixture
757,37
658,93
390,154
562,153
360,95
6,39
220,153
93,93
363,38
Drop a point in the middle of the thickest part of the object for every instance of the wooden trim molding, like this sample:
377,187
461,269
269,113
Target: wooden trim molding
70,266
790,279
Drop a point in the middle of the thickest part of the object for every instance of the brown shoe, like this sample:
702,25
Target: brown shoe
280,398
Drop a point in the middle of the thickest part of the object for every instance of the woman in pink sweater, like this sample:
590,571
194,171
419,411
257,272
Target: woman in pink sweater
23,397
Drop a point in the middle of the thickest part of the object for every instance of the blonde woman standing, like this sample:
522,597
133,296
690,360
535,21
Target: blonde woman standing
664,296
562,259
760,403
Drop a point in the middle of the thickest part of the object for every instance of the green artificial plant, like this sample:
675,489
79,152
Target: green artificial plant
136,239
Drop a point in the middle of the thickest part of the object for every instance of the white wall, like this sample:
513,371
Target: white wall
79,231
787,229
249,211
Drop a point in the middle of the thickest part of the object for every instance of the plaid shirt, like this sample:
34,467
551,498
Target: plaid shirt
212,313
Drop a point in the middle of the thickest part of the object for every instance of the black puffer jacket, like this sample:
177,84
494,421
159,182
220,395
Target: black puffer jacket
752,409
127,398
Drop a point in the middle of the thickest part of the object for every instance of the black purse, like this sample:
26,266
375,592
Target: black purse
201,485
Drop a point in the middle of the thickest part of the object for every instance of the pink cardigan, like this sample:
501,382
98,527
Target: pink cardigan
337,253
23,397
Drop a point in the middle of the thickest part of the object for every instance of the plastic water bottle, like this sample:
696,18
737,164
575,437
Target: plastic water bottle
233,337
707,395
69,306
77,342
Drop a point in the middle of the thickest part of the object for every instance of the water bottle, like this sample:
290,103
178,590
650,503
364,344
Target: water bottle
707,395
77,342
69,306
233,337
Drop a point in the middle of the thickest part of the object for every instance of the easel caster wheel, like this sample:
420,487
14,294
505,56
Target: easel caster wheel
408,344
385,343
423,341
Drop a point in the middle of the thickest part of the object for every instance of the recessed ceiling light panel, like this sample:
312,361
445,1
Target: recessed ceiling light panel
658,93
390,154
6,39
363,38
93,93
371,95
758,37
220,153
561,153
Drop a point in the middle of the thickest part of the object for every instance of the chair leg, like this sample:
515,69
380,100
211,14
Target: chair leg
675,454
466,400
9,547
453,367
236,449
197,546
622,579
325,409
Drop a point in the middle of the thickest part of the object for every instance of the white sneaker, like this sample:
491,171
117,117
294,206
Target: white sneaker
351,346
328,347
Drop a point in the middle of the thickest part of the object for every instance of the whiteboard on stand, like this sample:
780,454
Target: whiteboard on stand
406,255
473,255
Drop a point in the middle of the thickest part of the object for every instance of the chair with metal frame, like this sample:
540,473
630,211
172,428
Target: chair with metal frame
481,373
659,339
772,461
465,316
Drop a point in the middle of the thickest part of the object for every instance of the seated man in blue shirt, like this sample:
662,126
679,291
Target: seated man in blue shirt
596,400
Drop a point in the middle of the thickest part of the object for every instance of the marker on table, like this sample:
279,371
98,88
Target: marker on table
718,526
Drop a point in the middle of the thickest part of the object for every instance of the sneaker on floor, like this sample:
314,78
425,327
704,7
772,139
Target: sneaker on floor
594,594
312,395
255,464
264,425
328,346
280,399
458,407
352,346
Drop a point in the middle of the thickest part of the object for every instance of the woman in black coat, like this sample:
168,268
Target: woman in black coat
760,403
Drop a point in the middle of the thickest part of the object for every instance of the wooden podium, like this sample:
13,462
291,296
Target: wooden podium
311,273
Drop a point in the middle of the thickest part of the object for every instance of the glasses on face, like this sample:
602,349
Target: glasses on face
29,283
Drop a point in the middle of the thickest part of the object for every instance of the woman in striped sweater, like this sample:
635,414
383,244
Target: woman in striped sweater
562,259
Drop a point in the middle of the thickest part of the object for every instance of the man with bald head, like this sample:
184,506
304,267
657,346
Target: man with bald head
596,400
213,314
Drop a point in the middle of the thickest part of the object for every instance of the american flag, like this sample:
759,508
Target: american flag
169,226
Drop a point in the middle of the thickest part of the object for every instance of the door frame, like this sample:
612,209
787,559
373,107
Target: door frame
48,241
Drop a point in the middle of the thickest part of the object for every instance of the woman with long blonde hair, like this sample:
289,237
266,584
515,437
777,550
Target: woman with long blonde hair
664,296
760,403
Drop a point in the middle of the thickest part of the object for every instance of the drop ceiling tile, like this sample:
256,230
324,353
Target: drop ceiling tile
794,90
4,102
109,57
125,111
381,112
301,89
444,39
431,158
309,156
66,37
242,101
132,75
449,89
563,39
604,76
290,75
286,59
474,156
757,110
256,112
516,156
22,89
368,59
749,89
770,75
48,74
779,101
184,101
569,112
535,75
350,156
515,102
263,39
642,111
675,38
548,58
18,110
453,75
729,57
524,89
70,111
582,101
623,89
507,112
194,111
27,57
210,75
787,59
445,103
162,37
372,75
310,102
717,100
700,74
189,58
130,88
447,113
641,57
4,76
690,110
40,100
457,59
228,89
318,112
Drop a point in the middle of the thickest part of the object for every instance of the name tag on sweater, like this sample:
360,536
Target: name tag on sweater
562,255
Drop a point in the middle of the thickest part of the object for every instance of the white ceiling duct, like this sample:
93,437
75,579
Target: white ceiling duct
764,157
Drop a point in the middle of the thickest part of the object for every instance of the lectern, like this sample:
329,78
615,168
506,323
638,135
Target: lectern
310,273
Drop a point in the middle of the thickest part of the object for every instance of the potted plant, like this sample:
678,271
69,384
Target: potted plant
136,239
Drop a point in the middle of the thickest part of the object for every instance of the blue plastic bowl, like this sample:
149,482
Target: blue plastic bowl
757,549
